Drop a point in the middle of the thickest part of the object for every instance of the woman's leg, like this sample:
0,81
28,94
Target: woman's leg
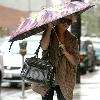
59,93
49,95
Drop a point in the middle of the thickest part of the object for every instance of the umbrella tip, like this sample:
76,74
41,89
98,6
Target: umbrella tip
10,46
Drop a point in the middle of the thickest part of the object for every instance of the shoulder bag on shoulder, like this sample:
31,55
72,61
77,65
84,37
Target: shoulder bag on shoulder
38,70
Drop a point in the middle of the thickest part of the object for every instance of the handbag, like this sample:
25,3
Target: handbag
39,70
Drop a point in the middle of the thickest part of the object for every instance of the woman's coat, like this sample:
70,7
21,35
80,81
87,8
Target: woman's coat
65,72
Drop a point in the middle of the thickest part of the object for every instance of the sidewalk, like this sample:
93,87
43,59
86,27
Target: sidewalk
89,89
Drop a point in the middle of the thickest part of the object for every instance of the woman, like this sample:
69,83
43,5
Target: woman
64,54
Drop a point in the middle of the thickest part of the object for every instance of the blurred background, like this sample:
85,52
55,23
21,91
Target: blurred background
13,12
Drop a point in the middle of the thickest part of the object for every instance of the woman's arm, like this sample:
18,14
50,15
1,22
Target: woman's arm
69,57
46,37
73,56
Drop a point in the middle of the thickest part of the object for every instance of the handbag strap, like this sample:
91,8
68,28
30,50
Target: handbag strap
60,43
37,50
57,36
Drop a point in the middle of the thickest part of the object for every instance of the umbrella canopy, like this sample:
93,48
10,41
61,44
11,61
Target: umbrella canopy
38,22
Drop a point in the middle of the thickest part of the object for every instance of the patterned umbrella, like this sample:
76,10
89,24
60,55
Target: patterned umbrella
38,22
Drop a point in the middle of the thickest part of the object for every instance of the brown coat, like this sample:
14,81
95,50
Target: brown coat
65,71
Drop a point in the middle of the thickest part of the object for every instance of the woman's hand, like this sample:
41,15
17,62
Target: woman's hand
68,56
50,26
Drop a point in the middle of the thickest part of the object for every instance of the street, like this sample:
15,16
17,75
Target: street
88,89
91,78
7,90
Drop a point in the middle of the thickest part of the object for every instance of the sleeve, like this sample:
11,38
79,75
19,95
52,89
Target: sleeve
74,51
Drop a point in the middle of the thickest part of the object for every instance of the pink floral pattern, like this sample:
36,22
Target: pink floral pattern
47,15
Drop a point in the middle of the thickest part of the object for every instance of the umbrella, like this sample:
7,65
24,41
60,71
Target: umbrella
38,22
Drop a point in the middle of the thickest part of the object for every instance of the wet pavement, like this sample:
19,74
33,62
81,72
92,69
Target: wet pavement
88,89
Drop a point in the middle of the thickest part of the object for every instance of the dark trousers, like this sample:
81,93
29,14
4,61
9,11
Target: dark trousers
49,95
